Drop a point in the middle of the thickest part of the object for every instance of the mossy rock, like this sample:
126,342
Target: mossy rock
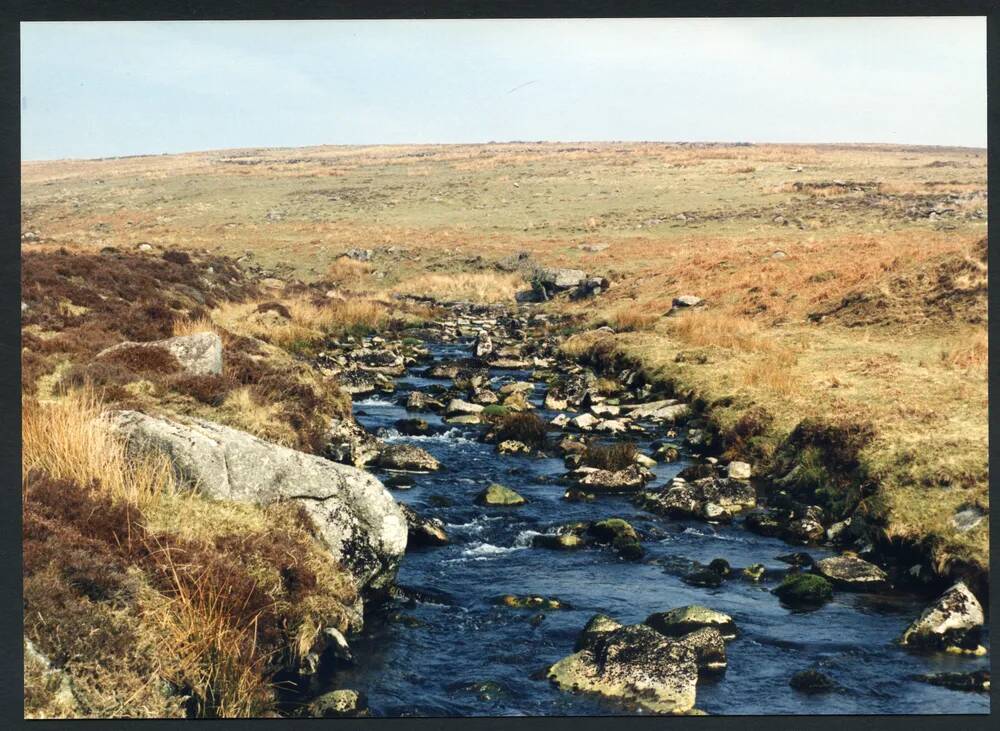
754,572
495,410
496,495
628,548
680,621
606,531
804,590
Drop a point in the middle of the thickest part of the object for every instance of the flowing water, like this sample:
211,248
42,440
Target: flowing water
455,652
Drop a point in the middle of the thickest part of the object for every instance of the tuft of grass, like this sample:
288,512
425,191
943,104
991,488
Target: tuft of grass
309,321
611,457
969,351
483,287
67,440
632,319
523,426
710,328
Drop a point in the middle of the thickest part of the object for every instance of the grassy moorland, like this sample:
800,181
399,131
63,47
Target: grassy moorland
844,286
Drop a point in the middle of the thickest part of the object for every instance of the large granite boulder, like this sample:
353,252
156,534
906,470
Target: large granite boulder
356,517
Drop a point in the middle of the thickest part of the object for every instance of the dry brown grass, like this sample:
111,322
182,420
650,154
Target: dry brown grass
348,273
483,287
68,440
773,372
712,328
215,656
210,594
311,320
633,318
970,350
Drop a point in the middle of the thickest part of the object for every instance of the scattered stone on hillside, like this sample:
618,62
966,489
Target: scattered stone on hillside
955,619
738,471
198,354
358,254
363,527
593,248
498,495
811,681
423,531
636,665
687,300
968,518
406,457
851,572
682,620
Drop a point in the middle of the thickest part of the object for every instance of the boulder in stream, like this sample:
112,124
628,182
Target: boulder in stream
406,457
681,621
851,572
804,590
636,665
955,620
497,495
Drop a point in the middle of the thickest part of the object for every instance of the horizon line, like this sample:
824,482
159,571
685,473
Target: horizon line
720,143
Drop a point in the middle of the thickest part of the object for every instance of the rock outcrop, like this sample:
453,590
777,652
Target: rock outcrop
199,354
356,517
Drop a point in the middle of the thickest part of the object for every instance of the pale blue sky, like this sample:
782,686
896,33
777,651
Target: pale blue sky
104,89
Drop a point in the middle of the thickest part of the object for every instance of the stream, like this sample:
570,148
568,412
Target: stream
456,652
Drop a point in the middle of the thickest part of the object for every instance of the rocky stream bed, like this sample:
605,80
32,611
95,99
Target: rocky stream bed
696,595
